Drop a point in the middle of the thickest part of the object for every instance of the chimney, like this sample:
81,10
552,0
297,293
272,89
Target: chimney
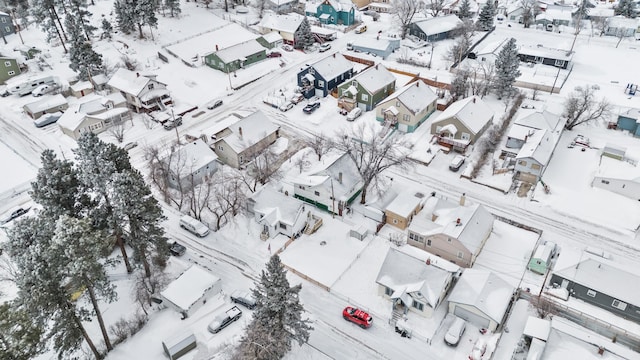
376,66
340,177
334,55
216,47
137,74
458,222
474,99
240,132
463,198
428,261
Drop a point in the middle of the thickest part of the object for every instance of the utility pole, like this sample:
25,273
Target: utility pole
175,126
333,200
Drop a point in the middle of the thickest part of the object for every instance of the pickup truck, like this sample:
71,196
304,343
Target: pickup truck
223,320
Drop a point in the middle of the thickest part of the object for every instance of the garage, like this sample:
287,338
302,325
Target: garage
471,317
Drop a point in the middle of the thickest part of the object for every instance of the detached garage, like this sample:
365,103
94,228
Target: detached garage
190,290
179,345
481,298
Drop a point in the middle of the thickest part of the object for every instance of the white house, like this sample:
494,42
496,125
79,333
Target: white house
332,185
191,164
276,212
190,290
96,114
143,92
46,105
535,154
619,177
285,25
481,297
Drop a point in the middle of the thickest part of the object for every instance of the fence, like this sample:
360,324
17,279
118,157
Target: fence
309,279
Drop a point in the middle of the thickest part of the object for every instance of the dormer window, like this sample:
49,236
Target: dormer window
150,86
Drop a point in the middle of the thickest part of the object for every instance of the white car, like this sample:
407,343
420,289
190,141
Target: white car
325,47
287,47
286,106
453,335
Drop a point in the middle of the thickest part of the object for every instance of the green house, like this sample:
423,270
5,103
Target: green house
8,68
366,89
541,259
236,57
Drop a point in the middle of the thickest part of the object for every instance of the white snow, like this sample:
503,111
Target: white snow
189,287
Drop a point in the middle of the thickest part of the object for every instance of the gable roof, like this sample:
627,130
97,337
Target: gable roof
332,66
189,287
194,155
539,120
414,96
248,131
239,51
475,221
332,168
483,290
72,118
276,206
288,23
374,78
98,104
622,22
545,52
406,274
602,276
45,103
538,146
406,202
438,24
129,81
473,112
272,37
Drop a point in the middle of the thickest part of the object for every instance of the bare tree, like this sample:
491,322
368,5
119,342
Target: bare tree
197,196
117,130
460,84
169,172
535,92
581,106
302,162
372,152
227,198
544,307
528,12
404,11
461,47
264,167
319,144
145,287
434,7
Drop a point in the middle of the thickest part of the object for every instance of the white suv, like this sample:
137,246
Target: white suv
325,47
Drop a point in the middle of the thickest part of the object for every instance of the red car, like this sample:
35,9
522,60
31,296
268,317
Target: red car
357,316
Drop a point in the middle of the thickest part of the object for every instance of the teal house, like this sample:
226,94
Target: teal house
336,12
541,259
630,121
236,57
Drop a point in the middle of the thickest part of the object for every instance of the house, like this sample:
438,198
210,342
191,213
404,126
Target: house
190,290
619,177
270,40
600,283
546,56
403,208
487,52
29,52
236,56
527,123
629,121
82,88
285,25
408,107
541,259
179,344
381,6
282,6
244,140
380,46
620,26
143,93
336,12
413,284
536,333
95,114
462,123
534,156
366,89
481,298
276,212
434,29
324,76
8,68
515,12
6,24
600,14
555,16
190,165
332,186
456,234
46,105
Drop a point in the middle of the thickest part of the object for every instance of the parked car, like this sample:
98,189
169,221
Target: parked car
354,114
311,107
456,163
170,124
287,47
286,106
130,145
455,331
13,214
349,46
194,226
214,104
361,29
274,54
296,98
343,111
177,249
357,316
223,320
479,348
243,298
324,47
43,89
47,119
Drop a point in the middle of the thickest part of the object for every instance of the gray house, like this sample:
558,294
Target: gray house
434,29
324,76
191,164
598,282
6,24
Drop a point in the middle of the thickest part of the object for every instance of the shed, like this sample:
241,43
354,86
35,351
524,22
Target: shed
191,289
180,344
540,261
614,152
48,104
536,328
360,233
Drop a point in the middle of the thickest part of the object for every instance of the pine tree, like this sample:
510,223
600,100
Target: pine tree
464,11
107,29
84,60
173,6
46,15
485,18
303,36
460,84
125,15
507,64
626,8
146,11
20,337
78,10
277,319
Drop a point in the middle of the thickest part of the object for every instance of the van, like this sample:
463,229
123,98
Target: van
361,29
354,114
194,226
453,335
456,163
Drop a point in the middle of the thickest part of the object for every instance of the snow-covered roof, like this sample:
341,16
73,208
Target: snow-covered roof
72,118
539,120
519,132
341,5
406,202
475,222
81,85
272,37
601,12
483,290
414,96
545,52
490,47
632,114
276,206
46,103
422,223
544,251
539,146
240,51
249,131
333,167
322,31
110,114
381,43
537,328
288,23
616,169
439,24
621,22
406,274
332,66
189,287
224,36
473,112
602,276
194,155
128,81
98,104
374,78
562,13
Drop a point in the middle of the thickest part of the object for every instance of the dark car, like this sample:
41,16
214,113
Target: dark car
12,214
274,54
243,298
177,249
357,316
311,107
170,124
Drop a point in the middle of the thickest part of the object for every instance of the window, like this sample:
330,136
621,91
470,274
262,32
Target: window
283,226
7,63
559,63
397,103
413,236
320,83
460,255
4,20
220,148
395,221
438,129
428,242
11,73
465,136
591,293
606,182
406,117
388,291
522,163
150,86
619,305
365,97
302,187
535,166
317,193
418,305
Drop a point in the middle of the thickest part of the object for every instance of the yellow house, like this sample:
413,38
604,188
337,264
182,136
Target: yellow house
403,208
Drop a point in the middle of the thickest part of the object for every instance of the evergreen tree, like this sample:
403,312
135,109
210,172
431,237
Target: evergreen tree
464,11
125,15
20,337
277,319
107,29
460,84
507,64
133,14
626,8
84,60
485,18
303,36
174,7
82,16
146,10
46,15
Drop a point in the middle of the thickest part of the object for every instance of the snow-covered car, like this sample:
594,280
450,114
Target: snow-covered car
286,106
130,145
223,320
177,249
274,54
287,47
357,316
214,104
479,348
325,47
243,298
170,124
311,107
13,214
456,163
47,119
455,331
